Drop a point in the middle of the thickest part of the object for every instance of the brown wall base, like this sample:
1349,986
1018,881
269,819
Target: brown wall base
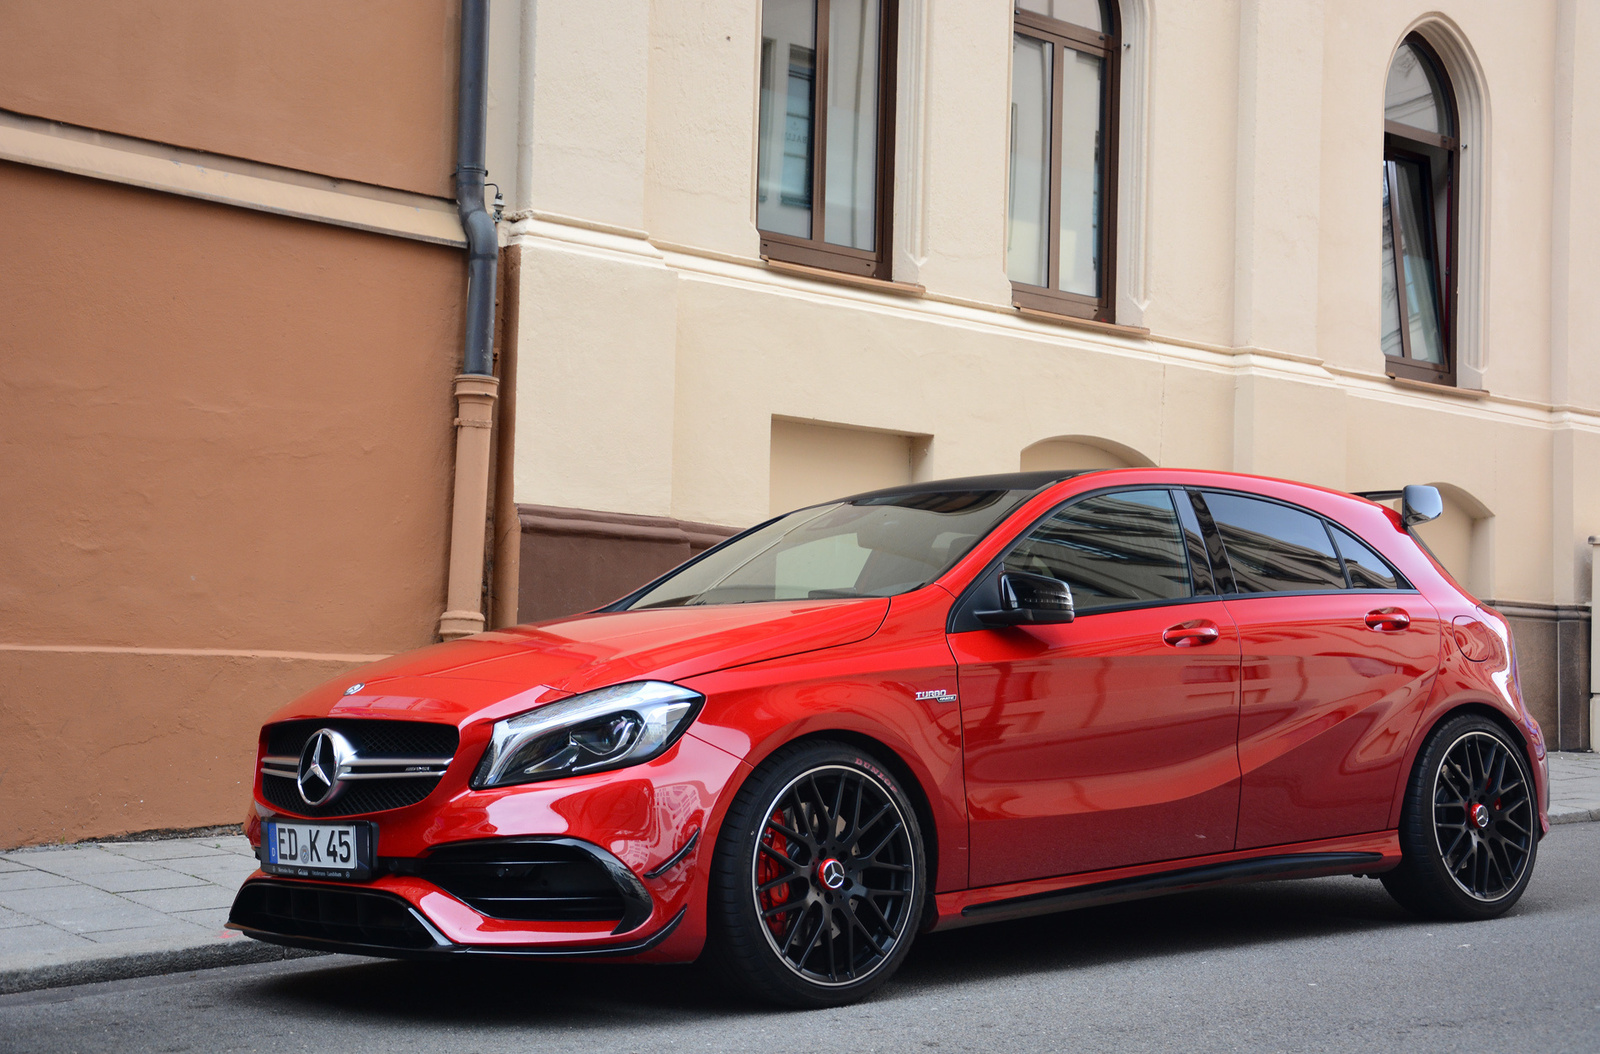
101,742
1553,668
576,559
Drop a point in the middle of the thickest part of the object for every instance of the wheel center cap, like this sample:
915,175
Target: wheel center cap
831,873
1480,815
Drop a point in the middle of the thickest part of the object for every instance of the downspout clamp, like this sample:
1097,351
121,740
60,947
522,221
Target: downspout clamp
476,387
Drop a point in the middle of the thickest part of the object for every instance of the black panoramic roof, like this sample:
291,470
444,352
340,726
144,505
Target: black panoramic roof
1023,481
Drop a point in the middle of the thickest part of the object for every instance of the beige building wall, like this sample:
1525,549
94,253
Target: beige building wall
672,373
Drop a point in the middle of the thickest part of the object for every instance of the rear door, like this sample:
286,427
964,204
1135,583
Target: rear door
1333,651
1109,740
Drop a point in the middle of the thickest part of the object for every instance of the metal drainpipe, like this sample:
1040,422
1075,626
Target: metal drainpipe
476,386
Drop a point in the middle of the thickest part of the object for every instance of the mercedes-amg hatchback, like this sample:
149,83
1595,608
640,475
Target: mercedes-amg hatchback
925,707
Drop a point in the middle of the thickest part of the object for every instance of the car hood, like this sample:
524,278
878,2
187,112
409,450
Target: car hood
493,674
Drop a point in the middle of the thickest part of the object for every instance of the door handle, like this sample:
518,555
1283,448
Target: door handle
1191,634
1388,620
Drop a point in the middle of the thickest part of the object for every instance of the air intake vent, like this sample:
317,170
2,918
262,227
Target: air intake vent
532,881
327,913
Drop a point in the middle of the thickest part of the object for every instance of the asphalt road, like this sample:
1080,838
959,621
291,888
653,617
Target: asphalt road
1329,964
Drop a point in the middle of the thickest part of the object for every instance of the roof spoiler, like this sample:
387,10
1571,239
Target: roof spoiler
1419,503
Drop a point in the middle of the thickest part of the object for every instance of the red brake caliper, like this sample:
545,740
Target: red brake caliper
768,869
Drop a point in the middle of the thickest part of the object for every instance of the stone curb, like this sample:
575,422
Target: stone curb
143,959
1574,816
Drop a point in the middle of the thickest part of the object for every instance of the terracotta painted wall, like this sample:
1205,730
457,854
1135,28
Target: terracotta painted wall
225,460
357,89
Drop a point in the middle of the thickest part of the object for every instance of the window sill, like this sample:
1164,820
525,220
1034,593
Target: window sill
841,278
1081,323
1439,389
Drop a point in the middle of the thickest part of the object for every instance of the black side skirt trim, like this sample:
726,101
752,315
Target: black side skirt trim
1294,865
341,947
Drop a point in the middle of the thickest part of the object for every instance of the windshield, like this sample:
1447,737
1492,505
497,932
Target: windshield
875,546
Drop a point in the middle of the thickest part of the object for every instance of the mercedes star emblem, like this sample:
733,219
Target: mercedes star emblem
324,759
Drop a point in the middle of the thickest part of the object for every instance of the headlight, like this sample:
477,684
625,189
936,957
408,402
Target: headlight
605,729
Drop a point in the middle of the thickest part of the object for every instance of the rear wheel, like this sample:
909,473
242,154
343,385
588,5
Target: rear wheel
1468,825
818,879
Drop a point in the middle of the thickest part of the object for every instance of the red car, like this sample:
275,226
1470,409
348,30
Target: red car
920,708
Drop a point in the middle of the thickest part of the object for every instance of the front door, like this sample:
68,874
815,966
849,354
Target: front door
1110,740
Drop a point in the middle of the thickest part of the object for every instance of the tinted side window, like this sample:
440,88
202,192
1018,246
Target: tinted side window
1273,548
1111,549
1368,570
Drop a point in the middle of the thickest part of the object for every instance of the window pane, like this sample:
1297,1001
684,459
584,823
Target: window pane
1367,569
1027,240
1085,13
1080,173
1113,549
783,168
850,184
1392,344
1411,96
1273,548
1411,211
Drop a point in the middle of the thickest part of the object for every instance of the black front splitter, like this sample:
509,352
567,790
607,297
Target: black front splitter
449,949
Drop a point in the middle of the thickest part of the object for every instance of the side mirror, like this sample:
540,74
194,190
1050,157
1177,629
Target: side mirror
1419,504
1030,600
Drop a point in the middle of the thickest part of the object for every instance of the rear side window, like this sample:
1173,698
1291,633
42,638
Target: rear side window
1274,548
1368,570
1112,549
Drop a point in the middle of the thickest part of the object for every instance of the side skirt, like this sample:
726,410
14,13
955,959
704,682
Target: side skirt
1373,853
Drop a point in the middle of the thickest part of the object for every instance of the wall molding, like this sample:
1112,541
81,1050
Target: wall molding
621,526
227,180
192,653
1538,610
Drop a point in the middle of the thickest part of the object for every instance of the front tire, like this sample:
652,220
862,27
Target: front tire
818,880
1468,825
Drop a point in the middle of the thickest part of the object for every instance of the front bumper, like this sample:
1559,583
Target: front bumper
367,921
601,865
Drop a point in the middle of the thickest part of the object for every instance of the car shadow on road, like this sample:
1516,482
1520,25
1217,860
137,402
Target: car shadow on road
487,992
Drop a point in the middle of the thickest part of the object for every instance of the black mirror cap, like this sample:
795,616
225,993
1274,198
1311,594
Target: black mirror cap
1419,504
1030,600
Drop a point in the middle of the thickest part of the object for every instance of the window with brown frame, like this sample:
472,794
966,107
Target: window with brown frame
825,166
1060,241
1421,156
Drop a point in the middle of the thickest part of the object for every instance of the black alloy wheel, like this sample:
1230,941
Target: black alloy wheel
818,879
1469,826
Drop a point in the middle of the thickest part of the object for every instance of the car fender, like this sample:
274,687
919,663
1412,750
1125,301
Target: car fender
868,689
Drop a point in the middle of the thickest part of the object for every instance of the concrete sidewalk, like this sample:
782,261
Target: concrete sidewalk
107,910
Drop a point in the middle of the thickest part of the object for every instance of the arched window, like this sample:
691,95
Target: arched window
1421,158
1059,240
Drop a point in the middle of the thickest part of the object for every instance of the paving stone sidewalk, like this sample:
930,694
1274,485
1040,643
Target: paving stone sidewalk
98,911
1574,787
106,910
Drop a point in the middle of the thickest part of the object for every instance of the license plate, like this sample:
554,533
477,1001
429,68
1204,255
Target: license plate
317,850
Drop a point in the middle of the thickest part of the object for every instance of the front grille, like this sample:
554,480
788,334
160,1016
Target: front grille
526,881
396,740
358,798
330,913
386,739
